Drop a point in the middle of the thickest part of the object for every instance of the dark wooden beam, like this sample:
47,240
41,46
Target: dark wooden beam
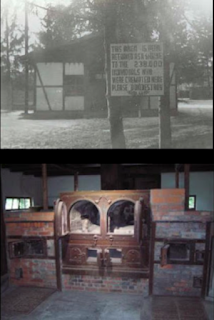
45,186
3,236
95,169
110,176
186,185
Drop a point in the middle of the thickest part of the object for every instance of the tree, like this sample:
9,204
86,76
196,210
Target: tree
121,22
12,43
62,24
198,66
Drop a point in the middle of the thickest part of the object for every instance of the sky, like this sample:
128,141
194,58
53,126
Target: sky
205,6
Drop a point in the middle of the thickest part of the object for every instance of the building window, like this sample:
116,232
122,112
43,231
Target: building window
17,203
100,76
192,203
74,85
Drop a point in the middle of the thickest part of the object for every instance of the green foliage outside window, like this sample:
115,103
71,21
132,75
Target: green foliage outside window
192,202
17,203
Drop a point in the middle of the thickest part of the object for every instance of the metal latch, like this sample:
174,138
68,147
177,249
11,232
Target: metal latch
111,238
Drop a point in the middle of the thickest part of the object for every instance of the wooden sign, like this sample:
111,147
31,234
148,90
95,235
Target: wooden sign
137,69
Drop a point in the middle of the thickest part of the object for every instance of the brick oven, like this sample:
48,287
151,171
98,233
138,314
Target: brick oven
135,241
105,240
180,246
31,250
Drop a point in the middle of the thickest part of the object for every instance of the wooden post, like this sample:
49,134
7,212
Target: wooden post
164,111
43,87
110,176
113,103
186,185
76,181
4,268
57,250
151,258
26,57
45,187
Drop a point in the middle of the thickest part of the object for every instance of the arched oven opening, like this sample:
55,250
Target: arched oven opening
84,217
121,218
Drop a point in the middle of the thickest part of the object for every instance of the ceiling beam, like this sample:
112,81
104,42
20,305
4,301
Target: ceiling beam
95,169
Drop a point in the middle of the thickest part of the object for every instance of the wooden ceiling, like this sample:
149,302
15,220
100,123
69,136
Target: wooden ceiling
95,168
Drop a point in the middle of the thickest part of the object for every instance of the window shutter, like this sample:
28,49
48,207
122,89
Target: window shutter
164,251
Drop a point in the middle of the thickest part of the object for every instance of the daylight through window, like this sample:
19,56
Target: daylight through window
17,203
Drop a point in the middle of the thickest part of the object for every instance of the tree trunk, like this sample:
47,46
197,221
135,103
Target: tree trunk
164,113
9,84
26,58
113,103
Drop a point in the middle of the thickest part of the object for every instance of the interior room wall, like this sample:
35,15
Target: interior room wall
201,184
15,184
56,185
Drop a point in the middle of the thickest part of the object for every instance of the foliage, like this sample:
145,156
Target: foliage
62,24
15,45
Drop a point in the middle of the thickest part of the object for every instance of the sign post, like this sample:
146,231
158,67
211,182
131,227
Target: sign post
140,69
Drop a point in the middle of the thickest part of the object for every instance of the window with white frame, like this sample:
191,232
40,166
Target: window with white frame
17,203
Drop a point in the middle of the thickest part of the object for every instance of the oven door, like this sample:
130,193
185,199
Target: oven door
61,218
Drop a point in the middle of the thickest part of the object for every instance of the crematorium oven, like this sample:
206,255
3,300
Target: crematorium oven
104,233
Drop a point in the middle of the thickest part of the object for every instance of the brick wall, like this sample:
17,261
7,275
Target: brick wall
173,222
176,280
105,284
182,230
40,272
168,205
36,272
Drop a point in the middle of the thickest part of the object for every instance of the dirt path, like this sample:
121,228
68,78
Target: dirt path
192,128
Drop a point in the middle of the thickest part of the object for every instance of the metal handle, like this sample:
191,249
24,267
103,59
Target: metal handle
95,240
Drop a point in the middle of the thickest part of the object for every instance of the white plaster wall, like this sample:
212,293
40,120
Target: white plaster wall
56,185
74,103
74,69
144,102
51,74
201,185
92,182
15,184
55,97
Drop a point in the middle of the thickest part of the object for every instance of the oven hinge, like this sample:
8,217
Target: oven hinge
111,238
95,240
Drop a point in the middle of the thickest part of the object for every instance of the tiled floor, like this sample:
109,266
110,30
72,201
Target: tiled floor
76,305
164,308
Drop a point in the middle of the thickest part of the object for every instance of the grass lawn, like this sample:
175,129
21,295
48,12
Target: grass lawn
191,128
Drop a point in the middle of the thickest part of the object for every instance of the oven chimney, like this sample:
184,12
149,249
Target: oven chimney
110,176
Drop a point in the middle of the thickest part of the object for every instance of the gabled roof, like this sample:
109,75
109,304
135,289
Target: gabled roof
55,52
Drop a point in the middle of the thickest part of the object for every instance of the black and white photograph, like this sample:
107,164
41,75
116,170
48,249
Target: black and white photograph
107,74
